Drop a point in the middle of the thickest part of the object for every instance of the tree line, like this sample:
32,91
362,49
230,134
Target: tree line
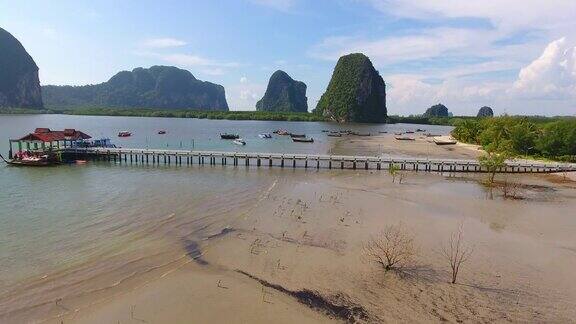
549,138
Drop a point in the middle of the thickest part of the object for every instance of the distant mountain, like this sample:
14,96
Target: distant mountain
438,110
19,83
284,94
356,92
485,112
156,87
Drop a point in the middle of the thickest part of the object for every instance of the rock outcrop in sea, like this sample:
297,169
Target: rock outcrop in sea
438,110
356,92
485,112
164,87
19,83
284,94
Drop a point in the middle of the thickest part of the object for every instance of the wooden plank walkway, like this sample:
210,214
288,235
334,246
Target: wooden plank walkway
185,157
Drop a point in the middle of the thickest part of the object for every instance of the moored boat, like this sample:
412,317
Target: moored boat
297,135
281,132
239,141
124,134
404,138
229,136
265,135
444,141
161,132
334,134
302,140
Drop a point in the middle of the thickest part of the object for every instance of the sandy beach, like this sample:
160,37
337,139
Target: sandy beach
294,253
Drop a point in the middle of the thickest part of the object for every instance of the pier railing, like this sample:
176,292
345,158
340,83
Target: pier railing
186,157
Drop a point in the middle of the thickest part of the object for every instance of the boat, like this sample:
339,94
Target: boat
432,135
297,135
362,134
265,135
161,132
124,134
334,134
102,142
229,136
444,141
239,141
302,140
420,130
31,159
409,132
281,132
383,132
404,138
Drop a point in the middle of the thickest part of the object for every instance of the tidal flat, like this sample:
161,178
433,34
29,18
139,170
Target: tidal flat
236,244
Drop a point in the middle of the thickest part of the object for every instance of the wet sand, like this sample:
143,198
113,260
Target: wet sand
387,145
297,256
294,254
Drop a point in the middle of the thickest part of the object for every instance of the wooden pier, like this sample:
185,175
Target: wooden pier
286,160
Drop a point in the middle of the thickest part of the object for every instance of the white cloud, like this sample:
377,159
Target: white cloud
505,14
552,75
244,95
282,5
199,63
162,43
419,45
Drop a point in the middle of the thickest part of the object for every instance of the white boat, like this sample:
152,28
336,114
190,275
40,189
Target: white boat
239,141
265,135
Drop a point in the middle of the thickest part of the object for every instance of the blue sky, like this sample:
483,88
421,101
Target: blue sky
517,56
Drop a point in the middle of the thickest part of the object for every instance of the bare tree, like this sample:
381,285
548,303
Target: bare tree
391,248
510,189
456,252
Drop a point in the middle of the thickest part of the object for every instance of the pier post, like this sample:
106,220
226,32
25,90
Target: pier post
146,158
131,158
282,161
342,164
305,163
294,161
330,163
270,161
317,163
258,160
366,165
354,164
246,160
379,164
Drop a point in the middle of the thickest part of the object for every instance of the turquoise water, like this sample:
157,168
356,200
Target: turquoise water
53,218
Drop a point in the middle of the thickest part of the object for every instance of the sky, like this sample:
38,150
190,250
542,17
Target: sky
517,56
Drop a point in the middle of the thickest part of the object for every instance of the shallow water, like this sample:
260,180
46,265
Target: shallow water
52,219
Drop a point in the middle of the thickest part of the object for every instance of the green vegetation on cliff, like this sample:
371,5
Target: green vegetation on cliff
356,92
284,94
19,83
164,87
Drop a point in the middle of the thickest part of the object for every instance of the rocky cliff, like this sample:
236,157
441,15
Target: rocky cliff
162,87
485,112
356,92
438,110
284,94
19,83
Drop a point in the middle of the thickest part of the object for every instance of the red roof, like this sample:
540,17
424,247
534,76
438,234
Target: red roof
47,135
